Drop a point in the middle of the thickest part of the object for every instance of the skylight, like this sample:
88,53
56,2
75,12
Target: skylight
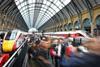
39,10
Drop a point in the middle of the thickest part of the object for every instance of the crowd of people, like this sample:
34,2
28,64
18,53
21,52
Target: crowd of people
45,51
59,52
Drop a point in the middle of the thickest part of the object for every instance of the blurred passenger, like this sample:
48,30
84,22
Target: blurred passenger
40,53
33,41
57,51
90,58
93,45
52,49
43,52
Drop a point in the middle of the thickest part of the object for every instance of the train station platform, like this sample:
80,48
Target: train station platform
59,19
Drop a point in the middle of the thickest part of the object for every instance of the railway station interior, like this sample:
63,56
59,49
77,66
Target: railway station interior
49,33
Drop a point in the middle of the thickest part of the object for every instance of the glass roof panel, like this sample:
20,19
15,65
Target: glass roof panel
46,9
65,2
59,4
52,11
31,1
17,2
48,3
21,0
55,8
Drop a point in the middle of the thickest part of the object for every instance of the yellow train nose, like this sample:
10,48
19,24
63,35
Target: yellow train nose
8,45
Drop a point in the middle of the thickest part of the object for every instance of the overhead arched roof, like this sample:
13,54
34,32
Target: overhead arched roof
75,7
9,13
33,8
41,13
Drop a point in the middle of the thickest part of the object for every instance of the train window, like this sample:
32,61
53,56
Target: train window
78,34
11,36
2,35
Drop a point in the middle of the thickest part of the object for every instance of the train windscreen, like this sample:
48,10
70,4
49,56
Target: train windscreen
11,36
